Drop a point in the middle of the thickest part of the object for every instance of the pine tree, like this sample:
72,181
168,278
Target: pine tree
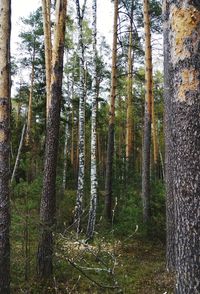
110,146
5,27
48,200
147,116
182,69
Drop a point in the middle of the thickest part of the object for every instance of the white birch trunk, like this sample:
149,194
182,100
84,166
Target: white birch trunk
18,153
81,139
93,197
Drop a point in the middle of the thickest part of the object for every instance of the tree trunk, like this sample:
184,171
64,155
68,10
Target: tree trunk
46,8
168,92
129,113
48,201
154,135
81,139
30,102
93,196
147,116
182,39
110,146
5,27
18,153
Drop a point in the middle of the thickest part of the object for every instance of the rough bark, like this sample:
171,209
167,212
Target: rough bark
168,93
48,200
81,139
93,196
5,26
147,116
183,25
110,145
46,8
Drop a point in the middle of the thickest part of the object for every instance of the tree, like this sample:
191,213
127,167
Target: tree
5,27
110,146
93,197
81,139
147,116
48,200
46,8
182,106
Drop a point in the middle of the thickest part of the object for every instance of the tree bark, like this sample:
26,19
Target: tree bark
30,102
18,153
48,200
5,28
81,139
110,146
93,196
46,8
129,114
182,24
147,116
168,93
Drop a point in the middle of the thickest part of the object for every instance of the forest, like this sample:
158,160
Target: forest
100,148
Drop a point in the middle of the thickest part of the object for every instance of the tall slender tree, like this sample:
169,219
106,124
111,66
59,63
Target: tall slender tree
81,136
182,67
48,200
93,197
110,146
5,27
147,116
129,114
46,8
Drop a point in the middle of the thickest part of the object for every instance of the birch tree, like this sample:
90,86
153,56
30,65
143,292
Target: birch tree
110,146
182,69
147,116
5,27
81,136
48,200
93,196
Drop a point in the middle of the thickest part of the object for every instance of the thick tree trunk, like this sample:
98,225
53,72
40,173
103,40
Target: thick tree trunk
168,93
147,116
46,8
5,26
81,139
110,146
183,29
48,201
93,196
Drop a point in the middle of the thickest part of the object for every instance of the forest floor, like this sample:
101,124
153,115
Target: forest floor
111,263
137,266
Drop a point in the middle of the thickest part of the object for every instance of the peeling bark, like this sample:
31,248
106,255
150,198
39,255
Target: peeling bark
5,27
182,24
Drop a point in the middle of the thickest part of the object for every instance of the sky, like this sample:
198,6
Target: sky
22,8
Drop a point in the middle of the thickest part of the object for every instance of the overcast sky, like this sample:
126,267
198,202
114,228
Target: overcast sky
22,8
